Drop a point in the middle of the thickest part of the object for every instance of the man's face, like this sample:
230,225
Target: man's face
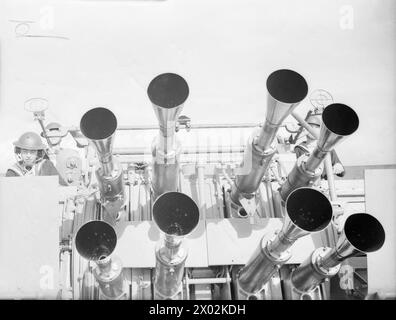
29,157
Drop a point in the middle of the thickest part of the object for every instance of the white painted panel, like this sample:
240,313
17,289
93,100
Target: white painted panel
380,202
233,241
29,237
137,241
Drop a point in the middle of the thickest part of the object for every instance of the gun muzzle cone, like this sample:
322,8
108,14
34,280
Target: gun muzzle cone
339,122
286,89
309,210
175,213
362,233
340,119
168,90
96,240
287,86
98,124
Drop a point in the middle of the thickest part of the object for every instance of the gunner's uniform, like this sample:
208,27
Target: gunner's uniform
42,168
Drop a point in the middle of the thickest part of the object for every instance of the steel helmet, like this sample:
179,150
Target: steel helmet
30,141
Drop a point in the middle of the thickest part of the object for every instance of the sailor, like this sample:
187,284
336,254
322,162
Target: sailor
306,147
31,158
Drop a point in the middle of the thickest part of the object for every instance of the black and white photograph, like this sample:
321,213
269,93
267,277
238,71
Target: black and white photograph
215,151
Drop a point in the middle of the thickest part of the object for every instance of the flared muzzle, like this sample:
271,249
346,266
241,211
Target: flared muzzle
286,89
98,125
175,213
362,233
308,211
338,122
168,92
96,240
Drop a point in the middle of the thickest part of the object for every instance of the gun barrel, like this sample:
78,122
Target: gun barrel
362,233
286,89
339,121
176,215
96,241
98,125
167,93
307,211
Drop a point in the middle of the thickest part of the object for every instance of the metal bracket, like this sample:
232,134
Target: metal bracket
250,207
183,122
338,212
